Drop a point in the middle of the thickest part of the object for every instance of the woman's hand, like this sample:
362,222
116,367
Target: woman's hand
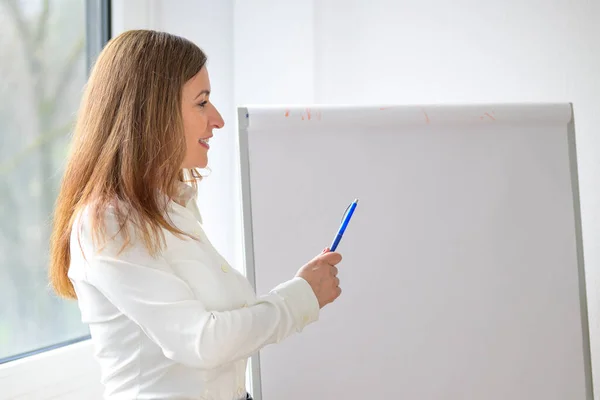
321,274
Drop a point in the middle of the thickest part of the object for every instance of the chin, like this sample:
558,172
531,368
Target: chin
194,165
201,164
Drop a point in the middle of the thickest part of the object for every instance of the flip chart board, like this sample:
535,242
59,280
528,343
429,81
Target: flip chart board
462,269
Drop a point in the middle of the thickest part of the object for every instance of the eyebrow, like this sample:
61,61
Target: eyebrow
206,92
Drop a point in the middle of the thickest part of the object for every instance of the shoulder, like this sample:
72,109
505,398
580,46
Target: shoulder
109,229
91,217
110,236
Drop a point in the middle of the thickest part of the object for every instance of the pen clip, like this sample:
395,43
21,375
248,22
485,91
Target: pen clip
345,212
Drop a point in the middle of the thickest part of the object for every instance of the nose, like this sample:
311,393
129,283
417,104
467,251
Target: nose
216,120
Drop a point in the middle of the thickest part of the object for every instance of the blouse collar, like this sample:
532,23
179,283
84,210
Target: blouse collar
184,193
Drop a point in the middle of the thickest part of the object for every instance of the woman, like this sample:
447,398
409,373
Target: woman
169,318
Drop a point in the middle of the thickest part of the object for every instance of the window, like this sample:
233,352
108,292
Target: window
46,49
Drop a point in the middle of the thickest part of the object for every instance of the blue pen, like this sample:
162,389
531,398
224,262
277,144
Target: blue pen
345,221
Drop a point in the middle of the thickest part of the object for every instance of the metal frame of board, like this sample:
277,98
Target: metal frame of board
587,356
248,246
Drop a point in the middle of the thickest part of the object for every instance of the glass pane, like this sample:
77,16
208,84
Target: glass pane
43,70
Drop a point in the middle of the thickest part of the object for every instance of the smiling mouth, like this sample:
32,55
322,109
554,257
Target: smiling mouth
204,142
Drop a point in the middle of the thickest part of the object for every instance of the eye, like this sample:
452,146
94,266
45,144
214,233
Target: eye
203,104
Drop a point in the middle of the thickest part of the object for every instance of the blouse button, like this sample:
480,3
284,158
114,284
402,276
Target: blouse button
224,268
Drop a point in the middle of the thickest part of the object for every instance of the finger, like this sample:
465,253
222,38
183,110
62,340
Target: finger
331,257
318,257
336,282
334,270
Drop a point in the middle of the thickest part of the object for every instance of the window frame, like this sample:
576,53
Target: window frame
98,33
98,28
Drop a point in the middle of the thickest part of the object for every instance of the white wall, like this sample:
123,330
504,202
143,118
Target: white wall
274,52
68,373
431,51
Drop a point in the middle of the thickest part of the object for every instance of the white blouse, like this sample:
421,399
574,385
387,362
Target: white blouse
181,325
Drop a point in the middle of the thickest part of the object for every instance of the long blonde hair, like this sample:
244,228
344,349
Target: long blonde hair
128,142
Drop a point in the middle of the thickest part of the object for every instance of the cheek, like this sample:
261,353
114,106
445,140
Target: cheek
195,126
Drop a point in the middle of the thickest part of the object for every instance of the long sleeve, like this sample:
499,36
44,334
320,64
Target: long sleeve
172,315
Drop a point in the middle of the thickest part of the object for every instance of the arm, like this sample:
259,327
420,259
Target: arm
147,291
